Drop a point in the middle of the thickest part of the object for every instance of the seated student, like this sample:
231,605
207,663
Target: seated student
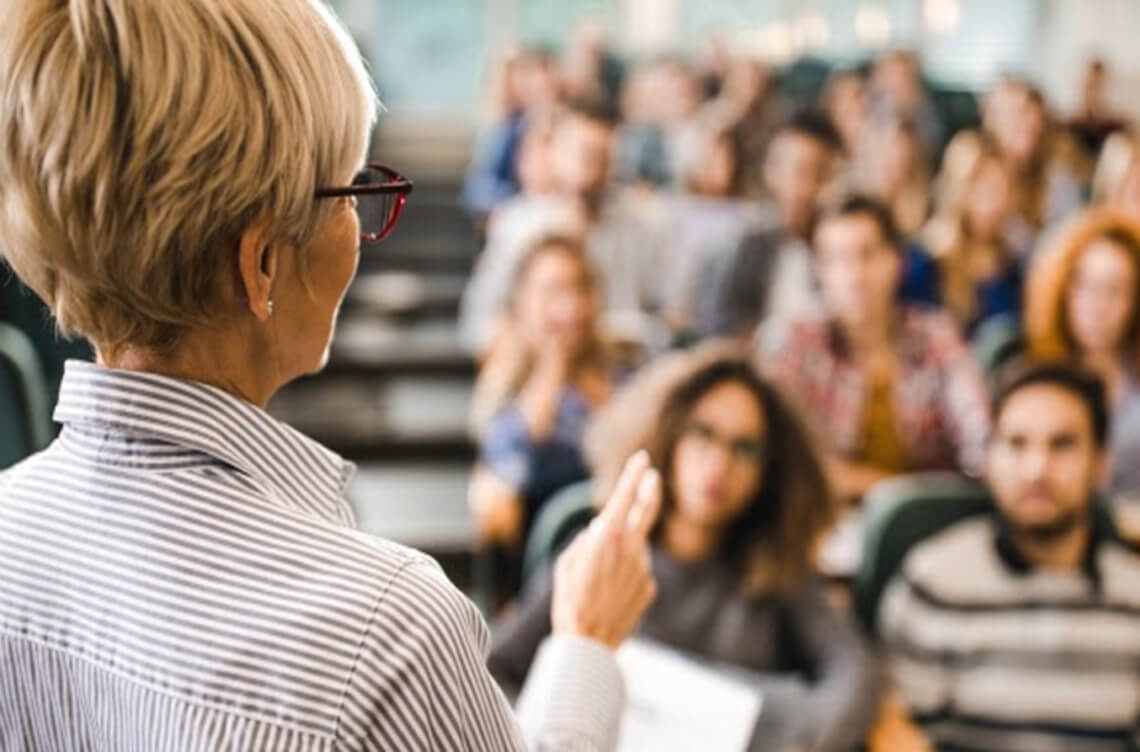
971,268
1116,179
744,501
535,394
628,250
1042,156
892,166
768,275
706,215
1021,632
889,387
526,85
1084,306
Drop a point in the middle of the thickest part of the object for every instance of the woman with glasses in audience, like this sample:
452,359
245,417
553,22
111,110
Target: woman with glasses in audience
1084,305
890,388
179,570
744,503
536,392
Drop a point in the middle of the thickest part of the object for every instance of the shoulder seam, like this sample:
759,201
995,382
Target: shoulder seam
408,562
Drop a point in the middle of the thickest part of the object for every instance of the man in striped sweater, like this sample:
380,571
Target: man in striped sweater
1022,631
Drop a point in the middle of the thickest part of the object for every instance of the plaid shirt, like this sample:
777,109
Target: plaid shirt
940,400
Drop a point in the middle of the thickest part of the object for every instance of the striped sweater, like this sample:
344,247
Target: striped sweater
992,654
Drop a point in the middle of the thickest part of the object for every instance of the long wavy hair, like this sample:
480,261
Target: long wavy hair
509,366
773,542
948,234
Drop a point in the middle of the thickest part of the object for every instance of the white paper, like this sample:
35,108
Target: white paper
674,704
842,549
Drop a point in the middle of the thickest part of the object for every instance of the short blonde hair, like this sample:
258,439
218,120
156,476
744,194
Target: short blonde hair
141,137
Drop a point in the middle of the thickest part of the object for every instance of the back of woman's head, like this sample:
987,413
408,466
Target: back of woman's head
142,138
772,541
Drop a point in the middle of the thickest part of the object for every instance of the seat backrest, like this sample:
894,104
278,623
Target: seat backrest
998,341
557,522
25,423
20,307
901,513
898,515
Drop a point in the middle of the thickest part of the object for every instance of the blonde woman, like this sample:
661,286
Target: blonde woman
968,264
183,184
893,167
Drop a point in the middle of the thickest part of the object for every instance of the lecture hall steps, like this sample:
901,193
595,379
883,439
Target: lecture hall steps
396,393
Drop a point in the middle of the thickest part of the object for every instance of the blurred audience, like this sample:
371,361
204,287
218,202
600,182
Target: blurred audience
1017,631
744,502
898,91
641,156
969,265
706,215
590,70
536,393
769,274
891,165
1083,305
751,108
1094,119
626,248
845,100
659,106
1116,179
1043,158
527,86
889,388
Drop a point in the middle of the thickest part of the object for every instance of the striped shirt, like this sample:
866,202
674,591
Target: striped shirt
990,653
179,571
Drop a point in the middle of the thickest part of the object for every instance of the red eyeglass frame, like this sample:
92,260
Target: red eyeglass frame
396,183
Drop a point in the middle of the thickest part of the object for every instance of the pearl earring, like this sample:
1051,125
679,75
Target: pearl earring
271,306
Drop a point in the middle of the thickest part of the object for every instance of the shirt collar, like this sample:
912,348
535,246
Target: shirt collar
290,467
1010,555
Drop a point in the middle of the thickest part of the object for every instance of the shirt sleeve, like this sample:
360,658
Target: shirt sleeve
507,449
421,681
843,699
573,699
520,633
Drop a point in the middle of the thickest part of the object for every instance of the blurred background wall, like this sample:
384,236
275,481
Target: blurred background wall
431,58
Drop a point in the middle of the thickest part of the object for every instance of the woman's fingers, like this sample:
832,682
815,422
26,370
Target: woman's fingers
647,504
615,514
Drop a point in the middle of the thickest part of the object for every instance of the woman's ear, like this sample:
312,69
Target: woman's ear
258,263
